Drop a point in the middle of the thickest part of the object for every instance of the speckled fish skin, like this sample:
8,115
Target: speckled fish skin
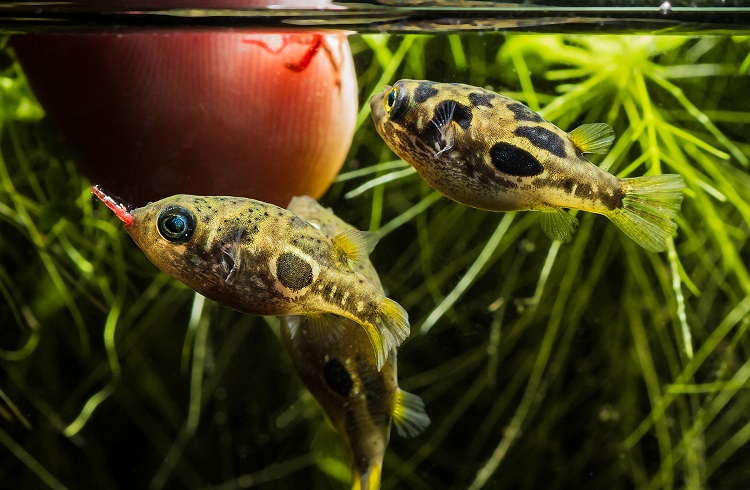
491,152
340,371
263,260
485,119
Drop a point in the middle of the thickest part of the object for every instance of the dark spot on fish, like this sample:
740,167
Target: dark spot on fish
337,377
568,184
338,296
375,391
424,91
514,161
461,113
523,113
583,190
363,462
543,138
293,271
478,99
614,201
295,222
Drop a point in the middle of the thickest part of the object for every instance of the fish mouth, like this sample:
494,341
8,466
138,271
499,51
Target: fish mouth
376,104
120,209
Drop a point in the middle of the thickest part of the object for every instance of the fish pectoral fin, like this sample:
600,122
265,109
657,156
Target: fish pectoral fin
558,224
443,121
593,138
231,251
409,415
355,244
446,142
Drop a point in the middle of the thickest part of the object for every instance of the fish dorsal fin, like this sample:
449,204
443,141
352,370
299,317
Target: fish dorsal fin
409,415
356,244
593,138
558,224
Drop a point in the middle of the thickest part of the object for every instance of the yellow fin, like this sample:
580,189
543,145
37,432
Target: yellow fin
592,138
390,330
558,224
356,244
409,415
649,209
369,480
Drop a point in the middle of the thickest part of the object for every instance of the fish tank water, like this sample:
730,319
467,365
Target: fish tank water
588,364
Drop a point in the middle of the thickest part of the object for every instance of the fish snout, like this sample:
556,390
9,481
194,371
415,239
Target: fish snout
376,106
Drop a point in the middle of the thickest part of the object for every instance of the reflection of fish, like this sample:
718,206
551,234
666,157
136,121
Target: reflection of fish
261,259
340,371
491,152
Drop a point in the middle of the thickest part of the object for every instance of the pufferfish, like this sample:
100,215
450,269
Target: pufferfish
340,370
261,259
491,152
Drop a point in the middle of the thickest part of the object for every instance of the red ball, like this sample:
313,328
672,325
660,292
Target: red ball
262,115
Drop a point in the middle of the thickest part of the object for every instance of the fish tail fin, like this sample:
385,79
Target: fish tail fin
649,207
409,415
390,330
370,480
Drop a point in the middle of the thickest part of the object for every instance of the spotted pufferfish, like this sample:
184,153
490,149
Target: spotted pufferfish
340,370
491,152
261,259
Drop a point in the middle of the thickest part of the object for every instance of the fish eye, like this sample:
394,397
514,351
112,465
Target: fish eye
176,224
395,101
390,100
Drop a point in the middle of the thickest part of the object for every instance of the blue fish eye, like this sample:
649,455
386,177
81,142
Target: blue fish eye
176,224
390,100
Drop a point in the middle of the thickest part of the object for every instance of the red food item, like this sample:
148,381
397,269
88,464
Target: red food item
261,115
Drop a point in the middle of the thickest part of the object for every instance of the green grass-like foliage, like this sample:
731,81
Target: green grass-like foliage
593,364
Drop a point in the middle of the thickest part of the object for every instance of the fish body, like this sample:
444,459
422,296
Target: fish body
491,152
340,370
261,259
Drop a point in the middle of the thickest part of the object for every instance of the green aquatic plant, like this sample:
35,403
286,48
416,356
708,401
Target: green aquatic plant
590,364
671,99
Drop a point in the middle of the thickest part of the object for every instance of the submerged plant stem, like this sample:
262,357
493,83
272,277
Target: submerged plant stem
471,275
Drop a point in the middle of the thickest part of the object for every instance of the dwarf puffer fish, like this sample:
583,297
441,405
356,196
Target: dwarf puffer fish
261,259
340,370
491,152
